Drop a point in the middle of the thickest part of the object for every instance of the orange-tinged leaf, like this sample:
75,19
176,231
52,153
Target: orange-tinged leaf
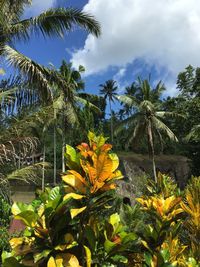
107,187
106,147
103,166
75,212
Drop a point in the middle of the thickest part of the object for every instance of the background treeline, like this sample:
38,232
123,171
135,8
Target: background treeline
35,127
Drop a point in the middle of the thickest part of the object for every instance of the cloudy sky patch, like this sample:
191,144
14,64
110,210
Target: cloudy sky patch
164,33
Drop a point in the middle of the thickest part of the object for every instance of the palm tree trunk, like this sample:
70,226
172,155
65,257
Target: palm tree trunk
150,137
161,143
111,122
63,144
54,146
43,168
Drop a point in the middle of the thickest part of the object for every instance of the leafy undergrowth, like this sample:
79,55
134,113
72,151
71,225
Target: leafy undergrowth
83,222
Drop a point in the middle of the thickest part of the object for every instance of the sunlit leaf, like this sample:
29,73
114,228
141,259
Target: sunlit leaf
75,212
51,262
73,195
88,256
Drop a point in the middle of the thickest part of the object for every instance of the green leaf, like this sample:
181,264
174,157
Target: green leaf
19,207
41,255
72,158
99,140
115,221
108,245
5,255
166,254
119,258
55,193
148,258
90,235
28,217
12,262
128,237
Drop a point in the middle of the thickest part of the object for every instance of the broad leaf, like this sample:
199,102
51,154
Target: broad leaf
75,212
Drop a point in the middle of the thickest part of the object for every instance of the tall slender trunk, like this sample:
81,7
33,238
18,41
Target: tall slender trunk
111,122
19,161
43,168
54,146
150,137
63,144
161,143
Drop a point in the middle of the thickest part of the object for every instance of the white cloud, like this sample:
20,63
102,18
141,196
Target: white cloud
120,74
161,32
39,6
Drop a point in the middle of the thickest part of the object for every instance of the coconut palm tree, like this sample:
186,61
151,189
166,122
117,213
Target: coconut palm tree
53,22
146,119
108,89
67,83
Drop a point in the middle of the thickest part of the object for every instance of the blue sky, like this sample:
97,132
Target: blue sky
160,37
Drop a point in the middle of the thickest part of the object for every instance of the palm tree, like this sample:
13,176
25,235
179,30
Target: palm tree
53,22
146,119
108,89
67,83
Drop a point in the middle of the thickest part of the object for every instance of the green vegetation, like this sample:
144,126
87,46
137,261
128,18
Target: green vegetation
80,220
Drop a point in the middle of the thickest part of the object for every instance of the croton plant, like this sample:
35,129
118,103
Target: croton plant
63,225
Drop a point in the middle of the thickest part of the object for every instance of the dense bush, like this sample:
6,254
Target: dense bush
5,213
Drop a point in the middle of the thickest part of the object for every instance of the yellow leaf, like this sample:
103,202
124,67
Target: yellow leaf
115,161
68,260
22,245
75,212
51,262
73,195
59,261
88,256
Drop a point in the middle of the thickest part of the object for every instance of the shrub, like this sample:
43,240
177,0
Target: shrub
5,213
73,225
82,223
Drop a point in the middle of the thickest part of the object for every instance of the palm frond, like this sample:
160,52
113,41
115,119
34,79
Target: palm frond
9,150
129,123
84,102
11,10
163,128
55,21
29,174
127,100
194,134
70,113
147,107
36,73
163,114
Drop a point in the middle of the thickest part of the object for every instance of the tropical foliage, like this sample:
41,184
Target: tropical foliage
82,222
